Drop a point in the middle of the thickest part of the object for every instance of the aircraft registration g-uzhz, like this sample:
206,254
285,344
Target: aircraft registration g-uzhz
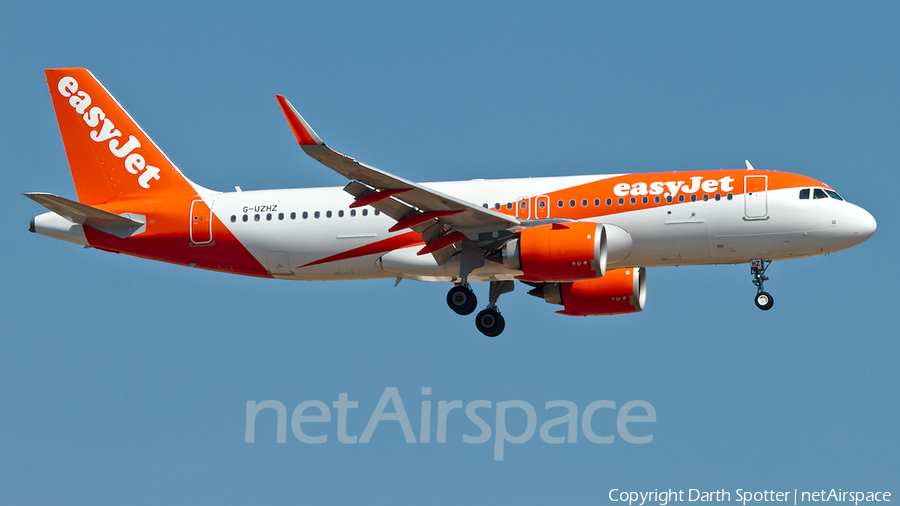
582,242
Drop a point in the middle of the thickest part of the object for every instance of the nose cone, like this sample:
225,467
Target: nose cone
862,225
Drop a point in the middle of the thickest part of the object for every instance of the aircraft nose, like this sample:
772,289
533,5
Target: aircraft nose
864,224
868,225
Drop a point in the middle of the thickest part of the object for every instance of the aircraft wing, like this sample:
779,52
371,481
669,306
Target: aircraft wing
412,205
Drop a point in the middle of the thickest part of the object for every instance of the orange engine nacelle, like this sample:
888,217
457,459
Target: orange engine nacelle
558,252
621,291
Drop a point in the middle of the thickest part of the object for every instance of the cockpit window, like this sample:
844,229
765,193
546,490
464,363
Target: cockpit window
804,194
819,193
834,194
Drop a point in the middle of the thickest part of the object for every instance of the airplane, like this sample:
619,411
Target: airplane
580,242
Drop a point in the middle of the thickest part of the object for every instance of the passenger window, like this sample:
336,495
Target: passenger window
804,194
341,213
509,206
233,218
255,217
352,213
542,204
718,197
572,203
583,202
377,212
644,200
705,197
693,198
497,206
681,198
484,205
621,201
834,194
633,200
365,212
669,199
596,202
730,196
280,216
559,203
609,202
316,215
523,204
328,214
244,218
819,193
656,199
293,216
269,217
305,215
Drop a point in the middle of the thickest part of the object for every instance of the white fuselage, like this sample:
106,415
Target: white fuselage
690,233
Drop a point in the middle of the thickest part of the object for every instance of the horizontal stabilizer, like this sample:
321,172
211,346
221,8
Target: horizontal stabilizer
82,214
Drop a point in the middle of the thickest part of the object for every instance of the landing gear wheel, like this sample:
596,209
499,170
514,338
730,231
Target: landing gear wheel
490,323
764,301
758,268
462,300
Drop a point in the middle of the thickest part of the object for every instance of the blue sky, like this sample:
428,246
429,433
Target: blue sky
126,381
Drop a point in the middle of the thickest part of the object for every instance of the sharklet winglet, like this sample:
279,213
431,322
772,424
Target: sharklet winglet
304,133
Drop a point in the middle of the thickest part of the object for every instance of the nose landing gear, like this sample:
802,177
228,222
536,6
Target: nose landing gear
764,301
758,268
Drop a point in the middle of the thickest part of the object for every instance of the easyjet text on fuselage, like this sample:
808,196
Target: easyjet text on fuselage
697,183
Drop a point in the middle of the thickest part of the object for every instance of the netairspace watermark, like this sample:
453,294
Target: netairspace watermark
662,498
311,412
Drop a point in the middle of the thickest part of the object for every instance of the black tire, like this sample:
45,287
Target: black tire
462,300
764,301
490,323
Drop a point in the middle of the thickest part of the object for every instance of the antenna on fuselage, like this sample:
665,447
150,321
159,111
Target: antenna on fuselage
749,167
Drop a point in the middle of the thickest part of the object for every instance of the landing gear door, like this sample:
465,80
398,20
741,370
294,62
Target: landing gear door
201,221
755,205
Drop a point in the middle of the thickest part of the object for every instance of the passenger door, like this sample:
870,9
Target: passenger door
201,222
755,204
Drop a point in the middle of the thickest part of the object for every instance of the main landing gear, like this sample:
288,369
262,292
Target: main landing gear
758,268
489,322
461,299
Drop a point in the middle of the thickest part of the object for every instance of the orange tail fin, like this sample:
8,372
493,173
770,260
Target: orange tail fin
110,156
